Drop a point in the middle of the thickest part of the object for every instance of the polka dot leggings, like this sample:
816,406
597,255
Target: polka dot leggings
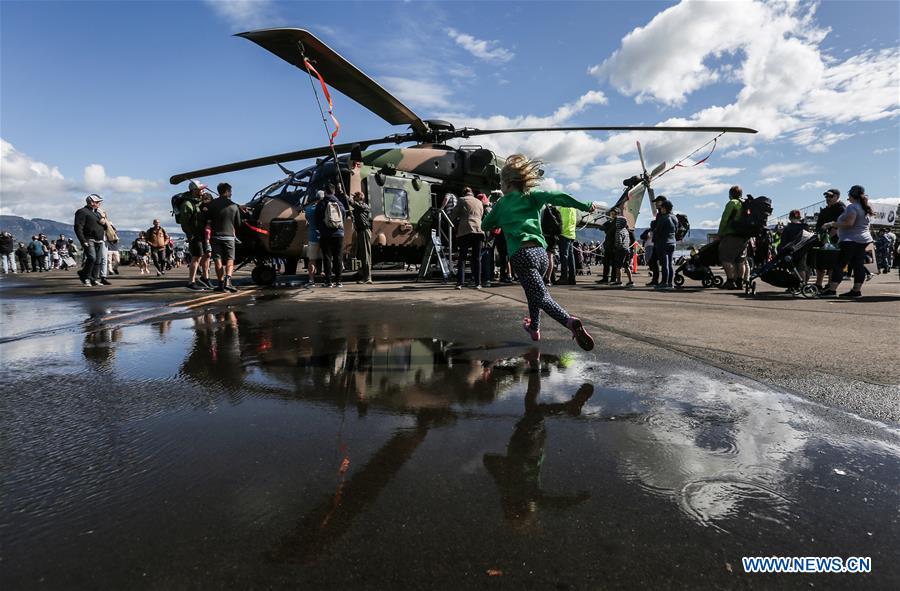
530,265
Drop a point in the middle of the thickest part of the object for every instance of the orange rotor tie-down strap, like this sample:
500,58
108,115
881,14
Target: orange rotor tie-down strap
337,124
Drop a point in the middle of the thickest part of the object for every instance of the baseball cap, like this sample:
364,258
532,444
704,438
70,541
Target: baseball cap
832,192
659,198
93,198
196,185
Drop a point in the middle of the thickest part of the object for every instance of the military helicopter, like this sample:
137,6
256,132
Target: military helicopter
404,185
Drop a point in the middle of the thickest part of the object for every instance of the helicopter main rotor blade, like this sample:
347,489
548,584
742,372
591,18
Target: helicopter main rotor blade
469,132
337,71
657,170
282,158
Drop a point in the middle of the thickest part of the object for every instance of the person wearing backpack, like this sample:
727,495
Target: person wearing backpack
189,208
731,244
330,214
551,226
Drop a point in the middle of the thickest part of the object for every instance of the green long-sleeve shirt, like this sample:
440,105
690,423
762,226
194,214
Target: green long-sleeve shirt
729,217
519,216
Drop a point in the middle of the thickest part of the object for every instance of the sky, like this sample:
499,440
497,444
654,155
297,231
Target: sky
115,97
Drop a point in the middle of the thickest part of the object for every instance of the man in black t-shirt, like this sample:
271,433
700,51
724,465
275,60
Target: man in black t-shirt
224,218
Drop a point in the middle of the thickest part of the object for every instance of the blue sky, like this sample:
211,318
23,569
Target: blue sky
115,97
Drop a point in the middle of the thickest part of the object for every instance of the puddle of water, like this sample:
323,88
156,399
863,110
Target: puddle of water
229,448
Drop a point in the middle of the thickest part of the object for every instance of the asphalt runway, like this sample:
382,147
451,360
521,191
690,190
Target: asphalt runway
406,435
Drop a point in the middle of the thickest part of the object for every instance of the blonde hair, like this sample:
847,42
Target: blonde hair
521,173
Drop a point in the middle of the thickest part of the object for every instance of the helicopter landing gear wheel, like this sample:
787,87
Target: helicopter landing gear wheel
707,282
718,281
809,291
678,281
263,274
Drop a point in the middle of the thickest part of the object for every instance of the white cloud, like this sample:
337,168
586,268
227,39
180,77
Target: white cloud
707,225
245,15
790,169
887,200
96,181
788,85
708,205
420,93
748,151
814,185
568,152
489,51
880,151
33,189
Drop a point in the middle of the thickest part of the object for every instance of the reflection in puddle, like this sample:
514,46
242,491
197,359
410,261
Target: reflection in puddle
316,435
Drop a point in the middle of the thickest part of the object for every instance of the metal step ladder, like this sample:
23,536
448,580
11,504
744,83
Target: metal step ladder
434,253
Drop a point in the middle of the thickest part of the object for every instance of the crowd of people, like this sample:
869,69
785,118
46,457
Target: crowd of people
38,255
496,237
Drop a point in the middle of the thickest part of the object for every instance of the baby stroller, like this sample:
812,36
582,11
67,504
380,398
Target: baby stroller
697,267
785,267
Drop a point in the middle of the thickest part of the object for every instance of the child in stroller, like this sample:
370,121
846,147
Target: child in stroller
787,268
697,267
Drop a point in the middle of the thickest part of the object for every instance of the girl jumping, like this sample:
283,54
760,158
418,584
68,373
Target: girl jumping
518,214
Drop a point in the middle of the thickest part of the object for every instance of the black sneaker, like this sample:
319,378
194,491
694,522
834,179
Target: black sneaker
828,293
204,283
87,283
103,281
729,285
194,287
603,281
652,284
229,287
853,294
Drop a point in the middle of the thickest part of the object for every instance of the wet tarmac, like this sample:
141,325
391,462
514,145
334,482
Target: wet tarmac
299,444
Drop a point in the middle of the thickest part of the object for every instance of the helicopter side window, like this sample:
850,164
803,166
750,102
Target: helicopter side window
396,203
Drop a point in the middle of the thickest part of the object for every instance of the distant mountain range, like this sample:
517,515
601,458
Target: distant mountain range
23,229
696,237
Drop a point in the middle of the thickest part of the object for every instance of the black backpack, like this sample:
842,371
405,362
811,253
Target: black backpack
754,216
684,226
551,221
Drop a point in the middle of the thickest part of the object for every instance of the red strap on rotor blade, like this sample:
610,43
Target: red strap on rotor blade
337,124
699,162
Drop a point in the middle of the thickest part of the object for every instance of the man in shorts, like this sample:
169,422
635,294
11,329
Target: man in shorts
195,231
224,218
731,244
313,251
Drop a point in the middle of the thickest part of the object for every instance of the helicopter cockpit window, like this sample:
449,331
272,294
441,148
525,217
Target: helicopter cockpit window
396,203
290,190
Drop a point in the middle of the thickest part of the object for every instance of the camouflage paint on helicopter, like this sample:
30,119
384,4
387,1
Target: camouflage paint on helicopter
403,185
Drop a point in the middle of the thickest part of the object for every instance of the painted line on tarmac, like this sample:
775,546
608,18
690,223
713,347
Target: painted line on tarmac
192,303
